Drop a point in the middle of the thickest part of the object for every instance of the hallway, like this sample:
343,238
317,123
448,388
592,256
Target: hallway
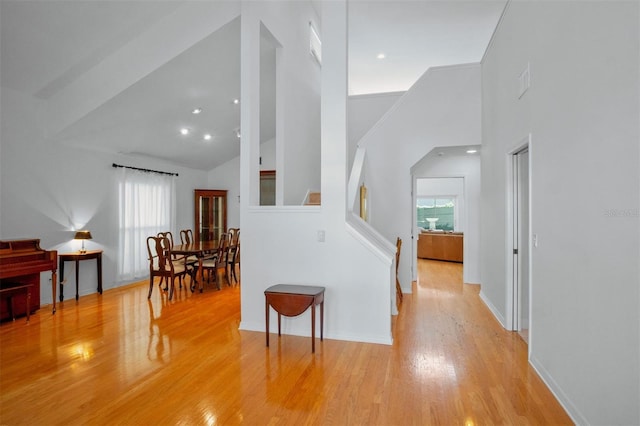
121,359
473,371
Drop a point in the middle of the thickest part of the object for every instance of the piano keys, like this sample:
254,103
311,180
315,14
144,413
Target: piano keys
21,262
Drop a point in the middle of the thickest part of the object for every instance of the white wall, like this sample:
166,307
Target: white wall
364,111
441,109
298,78
468,167
227,176
280,244
583,115
48,190
268,155
440,186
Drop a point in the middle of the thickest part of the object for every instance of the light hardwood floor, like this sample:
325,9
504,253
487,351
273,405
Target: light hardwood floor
119,359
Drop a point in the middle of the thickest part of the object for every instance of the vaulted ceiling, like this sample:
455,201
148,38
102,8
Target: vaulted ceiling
46,46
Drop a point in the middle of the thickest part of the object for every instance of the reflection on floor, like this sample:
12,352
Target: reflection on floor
121,359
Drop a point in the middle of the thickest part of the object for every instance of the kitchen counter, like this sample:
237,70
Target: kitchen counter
441,246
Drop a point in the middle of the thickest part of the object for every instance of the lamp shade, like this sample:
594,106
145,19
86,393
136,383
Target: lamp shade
82,235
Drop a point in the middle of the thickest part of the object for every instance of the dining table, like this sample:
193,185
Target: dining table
200,249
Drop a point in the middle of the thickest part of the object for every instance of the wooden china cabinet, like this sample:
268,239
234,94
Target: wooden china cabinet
210,214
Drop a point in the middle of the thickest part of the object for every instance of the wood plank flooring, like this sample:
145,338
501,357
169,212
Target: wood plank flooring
119,359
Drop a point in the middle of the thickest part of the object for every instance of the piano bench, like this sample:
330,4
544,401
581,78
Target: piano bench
9,292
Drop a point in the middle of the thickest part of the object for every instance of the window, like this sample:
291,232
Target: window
146,207
441,210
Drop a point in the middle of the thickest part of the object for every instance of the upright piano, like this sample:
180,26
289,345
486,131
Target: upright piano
21,262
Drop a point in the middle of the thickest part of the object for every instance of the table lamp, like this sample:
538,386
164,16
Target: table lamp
82,235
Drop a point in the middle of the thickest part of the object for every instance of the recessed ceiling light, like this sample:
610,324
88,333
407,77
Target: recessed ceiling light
236,101
184,131
471,151
381,56
207,136
196,111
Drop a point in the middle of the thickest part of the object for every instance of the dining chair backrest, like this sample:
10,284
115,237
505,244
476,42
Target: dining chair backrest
159,251
223,248
168,235
234,234
186,236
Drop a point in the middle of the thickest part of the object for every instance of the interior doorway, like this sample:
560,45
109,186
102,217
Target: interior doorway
267,187
521,243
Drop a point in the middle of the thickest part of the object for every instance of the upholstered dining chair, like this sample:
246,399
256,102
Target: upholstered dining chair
186,237
179,260
219,261
162,265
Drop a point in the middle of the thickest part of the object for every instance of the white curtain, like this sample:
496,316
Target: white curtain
146,206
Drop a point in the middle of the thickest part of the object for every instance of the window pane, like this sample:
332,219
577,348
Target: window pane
441,208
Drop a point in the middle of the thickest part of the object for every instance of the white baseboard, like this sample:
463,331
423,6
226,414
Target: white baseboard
493,310
562,398
305,332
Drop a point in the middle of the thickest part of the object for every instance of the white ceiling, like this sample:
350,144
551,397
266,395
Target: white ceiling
414,35
47,45
145,119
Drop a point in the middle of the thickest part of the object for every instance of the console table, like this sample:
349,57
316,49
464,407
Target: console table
77,257
293,300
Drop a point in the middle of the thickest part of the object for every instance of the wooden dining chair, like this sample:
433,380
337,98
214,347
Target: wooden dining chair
233,253
219,261
168,235
162,265
186,236
398,288
179,260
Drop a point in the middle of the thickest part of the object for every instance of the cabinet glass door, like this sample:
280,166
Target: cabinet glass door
210,214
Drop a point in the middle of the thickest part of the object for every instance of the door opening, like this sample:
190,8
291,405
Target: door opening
267,187
520,259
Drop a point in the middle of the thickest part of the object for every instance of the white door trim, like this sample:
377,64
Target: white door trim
511,311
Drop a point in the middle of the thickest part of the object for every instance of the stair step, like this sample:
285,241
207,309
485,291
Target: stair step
313,199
